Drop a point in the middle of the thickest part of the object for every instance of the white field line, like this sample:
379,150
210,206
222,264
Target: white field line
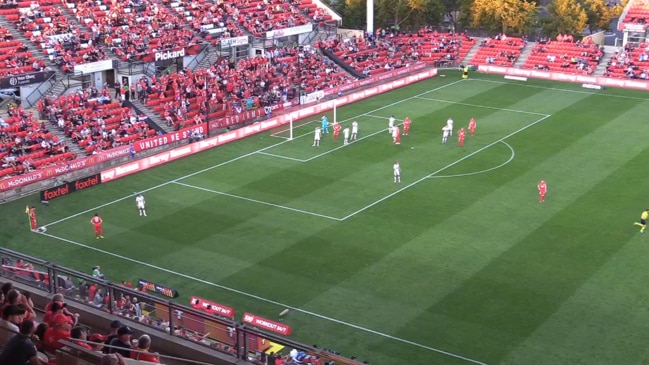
483,106
443,168
237,158
257,201
511,158
280,156
376,116
289,129
266,300
559,89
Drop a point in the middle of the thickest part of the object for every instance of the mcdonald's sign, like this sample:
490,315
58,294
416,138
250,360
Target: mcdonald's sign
152,287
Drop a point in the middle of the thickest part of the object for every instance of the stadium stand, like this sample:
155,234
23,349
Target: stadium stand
45,25
26,144
15,59
630,62
387,50
133,31
638,13
564,56
259,17
94,121
181,98
212,21
501,50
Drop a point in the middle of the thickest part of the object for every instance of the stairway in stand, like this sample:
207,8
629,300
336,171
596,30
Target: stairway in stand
469,56
524,55
154,117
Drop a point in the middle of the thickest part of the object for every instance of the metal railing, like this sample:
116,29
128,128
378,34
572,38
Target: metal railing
39,91
217,333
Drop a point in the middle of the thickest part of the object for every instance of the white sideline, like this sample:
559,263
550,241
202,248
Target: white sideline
482,106
239,158
257,201
266,300
443,168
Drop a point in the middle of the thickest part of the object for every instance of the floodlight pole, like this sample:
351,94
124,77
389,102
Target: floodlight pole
370,16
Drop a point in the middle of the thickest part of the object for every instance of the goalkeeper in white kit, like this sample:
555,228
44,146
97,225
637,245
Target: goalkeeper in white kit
140,203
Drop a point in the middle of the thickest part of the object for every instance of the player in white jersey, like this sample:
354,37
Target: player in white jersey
316,137
354,130
449,124
397,172
139,202
446,131
346,135
390,124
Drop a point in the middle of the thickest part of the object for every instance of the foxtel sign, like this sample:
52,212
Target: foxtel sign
221,139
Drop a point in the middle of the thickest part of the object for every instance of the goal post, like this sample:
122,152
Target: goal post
290,127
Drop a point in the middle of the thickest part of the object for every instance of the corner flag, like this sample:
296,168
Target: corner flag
28,218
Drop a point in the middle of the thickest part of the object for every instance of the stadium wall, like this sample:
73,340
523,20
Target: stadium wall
558,76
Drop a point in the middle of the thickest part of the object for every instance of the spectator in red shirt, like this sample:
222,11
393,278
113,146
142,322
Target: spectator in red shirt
59,330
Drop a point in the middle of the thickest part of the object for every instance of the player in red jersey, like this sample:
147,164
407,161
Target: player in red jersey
396,134
460,137
337,128
406,126
472,126
543,188
32,219
99,230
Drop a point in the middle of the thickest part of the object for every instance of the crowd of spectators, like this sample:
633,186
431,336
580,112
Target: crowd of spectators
501,50
565,55
388,49
259,17
226,87
15,59
93,120
630,62
212,20
40,338
26,144
47,27
132,30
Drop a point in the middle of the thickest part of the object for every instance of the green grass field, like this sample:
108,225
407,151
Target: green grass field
457,264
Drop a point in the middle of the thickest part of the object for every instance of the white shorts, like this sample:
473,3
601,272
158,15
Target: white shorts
140,205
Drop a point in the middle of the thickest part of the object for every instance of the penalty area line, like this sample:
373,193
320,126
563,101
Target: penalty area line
483,106
280,156
266,300
258,201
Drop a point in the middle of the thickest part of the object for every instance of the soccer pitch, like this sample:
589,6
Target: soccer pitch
457,264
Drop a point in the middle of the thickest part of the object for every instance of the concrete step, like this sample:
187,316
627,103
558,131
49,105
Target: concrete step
153,116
